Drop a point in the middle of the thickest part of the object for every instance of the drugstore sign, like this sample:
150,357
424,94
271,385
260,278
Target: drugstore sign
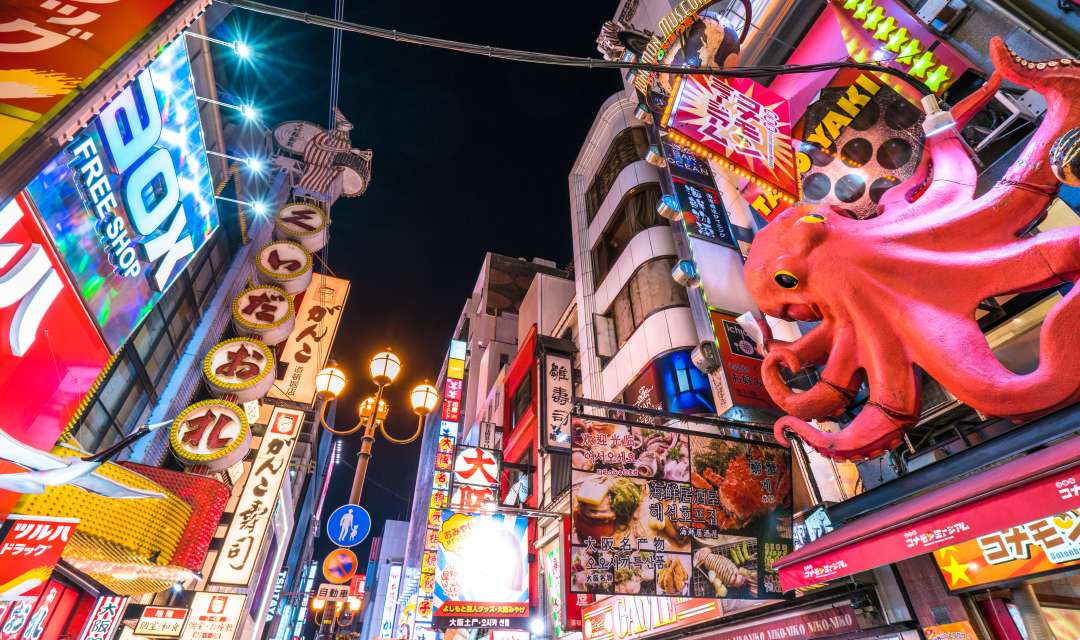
130,200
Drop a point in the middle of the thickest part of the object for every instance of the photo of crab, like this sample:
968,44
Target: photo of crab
726,567
637,452
750,481
673,574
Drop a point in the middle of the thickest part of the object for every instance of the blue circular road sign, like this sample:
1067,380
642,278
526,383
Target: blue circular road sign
348,525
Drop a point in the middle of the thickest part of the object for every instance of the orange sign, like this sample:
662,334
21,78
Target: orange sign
1040,546
627,618
951,631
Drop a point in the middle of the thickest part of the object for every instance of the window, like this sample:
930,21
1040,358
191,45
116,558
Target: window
635,213
649,290
629,146
522,399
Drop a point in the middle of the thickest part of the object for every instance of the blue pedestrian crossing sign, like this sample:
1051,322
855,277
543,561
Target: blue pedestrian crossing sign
348,525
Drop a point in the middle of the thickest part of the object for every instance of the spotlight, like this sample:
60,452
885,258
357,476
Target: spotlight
255,164
536,626
242,49
259,208
249,112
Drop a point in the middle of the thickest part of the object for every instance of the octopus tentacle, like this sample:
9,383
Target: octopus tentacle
828,397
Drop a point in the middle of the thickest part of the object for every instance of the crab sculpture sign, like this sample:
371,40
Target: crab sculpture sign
935,252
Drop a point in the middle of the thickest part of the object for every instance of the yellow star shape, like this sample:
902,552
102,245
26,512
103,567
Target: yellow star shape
937,78
873,18
851,4
922,64
944,551
957,572
897,40
864,8
884,28
912,48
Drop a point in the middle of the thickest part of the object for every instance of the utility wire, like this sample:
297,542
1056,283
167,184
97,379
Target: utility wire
519,55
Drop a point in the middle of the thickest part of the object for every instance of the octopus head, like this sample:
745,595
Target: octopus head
778,269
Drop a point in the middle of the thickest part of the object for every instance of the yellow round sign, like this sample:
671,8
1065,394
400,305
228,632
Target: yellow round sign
339,566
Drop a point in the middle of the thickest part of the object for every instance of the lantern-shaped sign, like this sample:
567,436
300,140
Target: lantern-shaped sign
243,367
266,312
303,223
211,433
286,264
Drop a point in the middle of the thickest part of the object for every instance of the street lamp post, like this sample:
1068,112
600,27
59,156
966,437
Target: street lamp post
384,368
342,616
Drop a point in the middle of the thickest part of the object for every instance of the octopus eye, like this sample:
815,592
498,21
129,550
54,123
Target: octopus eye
812,218
786,279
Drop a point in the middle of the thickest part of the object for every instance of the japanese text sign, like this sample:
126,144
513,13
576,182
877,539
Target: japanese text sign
333,592
386,627
557,395
307,349
104,619
659,511
482,576
704,215
240,549
165,622
1034,548
131,200
214,616
742,125
51,352
30,546
742,363
476,466
52,51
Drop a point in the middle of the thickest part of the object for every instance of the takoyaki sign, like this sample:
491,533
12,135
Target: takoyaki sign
667,512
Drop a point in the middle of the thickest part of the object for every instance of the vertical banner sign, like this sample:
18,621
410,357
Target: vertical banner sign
389,612
660,511
50,353
51,51
104,619
275,598
306,350
558,396
446,441
130,200
475,479
553,571
240,549
214,616
161,622
482,579
30,546
738,123
742,363
704,216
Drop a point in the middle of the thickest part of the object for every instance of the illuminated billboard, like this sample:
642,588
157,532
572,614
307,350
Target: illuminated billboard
131,200
50,351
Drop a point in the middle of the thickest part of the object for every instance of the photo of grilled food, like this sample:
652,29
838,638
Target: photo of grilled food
728,570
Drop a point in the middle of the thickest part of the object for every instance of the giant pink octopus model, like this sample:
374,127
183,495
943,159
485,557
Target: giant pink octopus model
901,289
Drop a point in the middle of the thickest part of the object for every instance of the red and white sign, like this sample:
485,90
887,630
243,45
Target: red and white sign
1049,495
214,616
476,466
242,367
741,374
50,350
30,546
358,586
105,618
740,124
165,622
214,433
470,498
266,311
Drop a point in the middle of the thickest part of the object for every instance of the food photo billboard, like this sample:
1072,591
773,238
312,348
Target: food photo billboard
670,512
130,200
482,572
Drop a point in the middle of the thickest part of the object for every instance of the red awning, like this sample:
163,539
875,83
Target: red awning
1028,488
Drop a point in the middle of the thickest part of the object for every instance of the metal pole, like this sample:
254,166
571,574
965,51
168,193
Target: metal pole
366,441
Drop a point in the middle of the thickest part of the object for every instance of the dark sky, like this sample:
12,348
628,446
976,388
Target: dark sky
470,155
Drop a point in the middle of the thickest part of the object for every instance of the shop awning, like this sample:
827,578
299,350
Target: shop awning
1031,487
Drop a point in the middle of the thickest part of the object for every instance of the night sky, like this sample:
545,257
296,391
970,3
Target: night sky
470,155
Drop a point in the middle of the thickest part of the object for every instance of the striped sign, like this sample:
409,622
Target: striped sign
103,620
339,566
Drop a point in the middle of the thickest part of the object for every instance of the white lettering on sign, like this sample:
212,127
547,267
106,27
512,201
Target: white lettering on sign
32,282
131,128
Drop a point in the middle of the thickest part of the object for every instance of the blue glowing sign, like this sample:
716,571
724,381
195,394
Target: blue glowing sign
130,200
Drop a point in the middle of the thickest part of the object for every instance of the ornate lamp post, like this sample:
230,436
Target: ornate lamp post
384,368
342,615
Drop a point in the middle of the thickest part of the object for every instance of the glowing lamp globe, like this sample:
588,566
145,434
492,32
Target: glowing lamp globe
354,604
330,382
424,398
318,604
367,404
385,367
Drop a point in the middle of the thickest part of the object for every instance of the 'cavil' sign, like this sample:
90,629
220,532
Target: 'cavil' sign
130,200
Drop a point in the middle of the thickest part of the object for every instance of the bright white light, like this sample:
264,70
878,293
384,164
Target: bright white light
255,164
242,49
187,185
249,112
177,588
259,208
536,626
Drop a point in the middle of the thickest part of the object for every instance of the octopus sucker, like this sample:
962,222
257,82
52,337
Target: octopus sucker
898,292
